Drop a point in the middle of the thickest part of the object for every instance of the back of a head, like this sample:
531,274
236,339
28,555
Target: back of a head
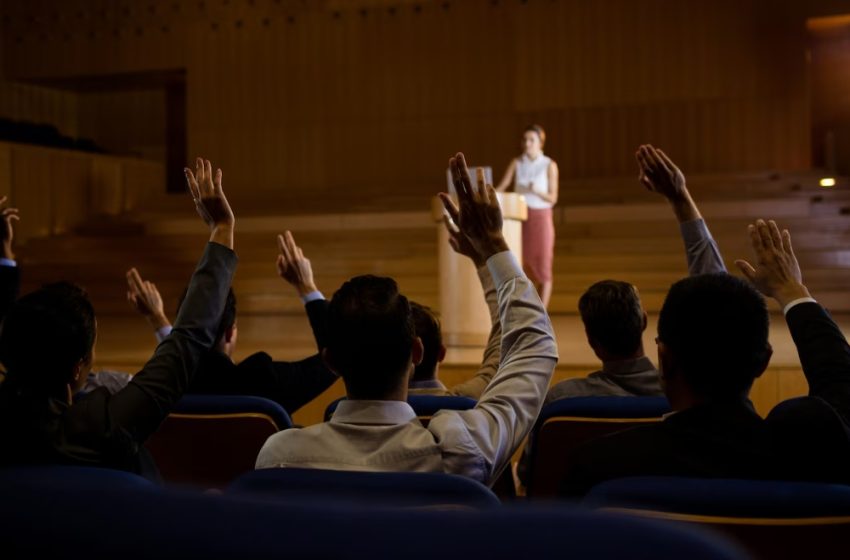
228,316
370,336
427,328
716,327
613,317
45,335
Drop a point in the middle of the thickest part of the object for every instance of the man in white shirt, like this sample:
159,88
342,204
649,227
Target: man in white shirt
372,346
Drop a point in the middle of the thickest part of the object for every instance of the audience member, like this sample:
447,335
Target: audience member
373,346
614,319
712,345
291,384
425,379
47,347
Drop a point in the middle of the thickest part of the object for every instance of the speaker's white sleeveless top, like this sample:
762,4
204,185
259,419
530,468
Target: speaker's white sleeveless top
534,172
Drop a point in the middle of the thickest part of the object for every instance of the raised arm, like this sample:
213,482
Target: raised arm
10,277
146,300
658,173
511,402
508,177
490,362
823,350
297,270
139,408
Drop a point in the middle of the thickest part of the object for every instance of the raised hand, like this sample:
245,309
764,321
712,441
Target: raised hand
145,298
478,215
210,201
7,232
293,266
458,241
659,174
777,274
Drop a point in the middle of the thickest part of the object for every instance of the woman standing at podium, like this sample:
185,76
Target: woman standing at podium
535,176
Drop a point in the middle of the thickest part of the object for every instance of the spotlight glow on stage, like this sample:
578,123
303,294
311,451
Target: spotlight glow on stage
827,182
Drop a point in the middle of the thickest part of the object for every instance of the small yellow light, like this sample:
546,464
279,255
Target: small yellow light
827,182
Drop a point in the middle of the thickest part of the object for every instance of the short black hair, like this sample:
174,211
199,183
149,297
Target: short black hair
370,336
427,328
716,327
613,317
228,316
46,334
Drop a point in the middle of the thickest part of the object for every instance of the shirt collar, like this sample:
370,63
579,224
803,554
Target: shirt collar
618,367
373,412
426,384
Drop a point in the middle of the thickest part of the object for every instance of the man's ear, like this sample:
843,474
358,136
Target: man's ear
327,358
667,365
230,333
441,354
417,352
643,322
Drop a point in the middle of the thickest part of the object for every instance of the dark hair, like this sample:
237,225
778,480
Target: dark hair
613,317
370,336
427,328
536,128
46,334
716,327
228,316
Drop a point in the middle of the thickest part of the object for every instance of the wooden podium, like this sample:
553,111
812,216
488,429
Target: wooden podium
463,312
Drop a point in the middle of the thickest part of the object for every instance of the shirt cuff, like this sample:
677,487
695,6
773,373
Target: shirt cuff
504,267
162,333
797,302
694,231
8,262
312,296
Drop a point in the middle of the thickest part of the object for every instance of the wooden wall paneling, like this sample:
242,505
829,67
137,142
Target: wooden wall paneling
141,180
6,177
68,187
31,191
321,95
106,189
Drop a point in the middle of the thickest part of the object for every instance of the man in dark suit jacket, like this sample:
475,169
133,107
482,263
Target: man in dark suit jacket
291,384
47,344
712,345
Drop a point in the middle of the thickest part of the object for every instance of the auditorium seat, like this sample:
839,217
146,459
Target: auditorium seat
772,519
565,424
104,524
425,406
378,489
45,478
209,440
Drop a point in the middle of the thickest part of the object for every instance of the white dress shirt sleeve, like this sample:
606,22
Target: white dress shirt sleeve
478,443
162,333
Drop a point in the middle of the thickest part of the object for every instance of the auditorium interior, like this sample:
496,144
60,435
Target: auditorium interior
335,119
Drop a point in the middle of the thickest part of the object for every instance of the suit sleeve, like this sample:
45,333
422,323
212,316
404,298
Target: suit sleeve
297,383
824,355
317,313
139,408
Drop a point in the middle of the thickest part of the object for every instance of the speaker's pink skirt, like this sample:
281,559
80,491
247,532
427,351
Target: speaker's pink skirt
538,244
